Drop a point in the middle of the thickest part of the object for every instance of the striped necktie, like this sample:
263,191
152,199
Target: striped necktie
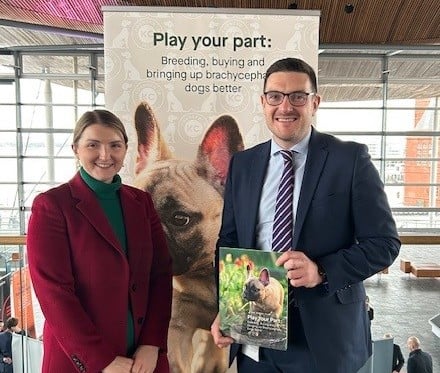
283,219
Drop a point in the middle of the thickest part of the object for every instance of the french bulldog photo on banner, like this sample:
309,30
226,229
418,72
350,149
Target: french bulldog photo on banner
189,198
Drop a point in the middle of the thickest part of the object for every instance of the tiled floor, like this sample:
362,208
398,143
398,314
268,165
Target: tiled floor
403,304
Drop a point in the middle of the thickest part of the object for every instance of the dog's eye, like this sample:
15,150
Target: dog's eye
180,219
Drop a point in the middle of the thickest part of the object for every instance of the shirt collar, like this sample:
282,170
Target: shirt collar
300,148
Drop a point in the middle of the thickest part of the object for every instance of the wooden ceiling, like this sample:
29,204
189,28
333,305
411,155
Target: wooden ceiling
373,27
404,22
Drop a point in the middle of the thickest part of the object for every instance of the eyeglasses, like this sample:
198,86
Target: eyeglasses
275,98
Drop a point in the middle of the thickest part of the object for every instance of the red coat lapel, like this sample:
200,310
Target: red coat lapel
89,207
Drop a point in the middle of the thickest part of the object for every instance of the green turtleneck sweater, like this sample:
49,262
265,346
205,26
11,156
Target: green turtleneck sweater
109,200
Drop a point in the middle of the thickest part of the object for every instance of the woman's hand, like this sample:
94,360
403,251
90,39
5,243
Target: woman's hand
145,359
119,365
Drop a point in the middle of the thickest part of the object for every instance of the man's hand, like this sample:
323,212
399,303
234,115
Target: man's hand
301,270
219,339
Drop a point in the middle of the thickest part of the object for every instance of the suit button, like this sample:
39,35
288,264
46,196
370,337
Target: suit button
133,287
140,320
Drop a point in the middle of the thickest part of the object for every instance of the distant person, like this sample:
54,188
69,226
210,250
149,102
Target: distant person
11,326
418,361
100,263
398,359
370,309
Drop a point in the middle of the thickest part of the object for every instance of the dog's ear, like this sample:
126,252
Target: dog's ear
249,271
151,145
264,276
221,141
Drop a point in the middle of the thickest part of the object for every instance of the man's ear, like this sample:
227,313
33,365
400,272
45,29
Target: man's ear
316,102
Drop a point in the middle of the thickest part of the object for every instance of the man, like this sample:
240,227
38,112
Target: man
343,230
398,359
418,361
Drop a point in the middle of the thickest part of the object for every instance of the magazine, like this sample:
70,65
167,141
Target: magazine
253,297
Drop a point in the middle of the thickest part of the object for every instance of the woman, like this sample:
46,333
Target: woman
99,263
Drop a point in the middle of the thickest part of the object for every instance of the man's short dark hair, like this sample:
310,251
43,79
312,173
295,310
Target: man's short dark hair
292,65
11,322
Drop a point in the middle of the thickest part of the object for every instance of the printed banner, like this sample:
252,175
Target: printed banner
21,300
187,83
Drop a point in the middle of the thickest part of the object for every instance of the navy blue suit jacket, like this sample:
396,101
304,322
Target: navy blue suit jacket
343,221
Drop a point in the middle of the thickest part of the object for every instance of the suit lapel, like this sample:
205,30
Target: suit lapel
258,167
316,158
89,207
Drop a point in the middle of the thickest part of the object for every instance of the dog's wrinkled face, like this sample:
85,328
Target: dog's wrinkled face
252,290
254,287
188,195
190,211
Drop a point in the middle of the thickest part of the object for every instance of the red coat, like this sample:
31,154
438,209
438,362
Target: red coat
83,279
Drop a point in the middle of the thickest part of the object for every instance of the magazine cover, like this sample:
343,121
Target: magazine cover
253,297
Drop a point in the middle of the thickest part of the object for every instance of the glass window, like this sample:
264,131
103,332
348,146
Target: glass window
8,195
100,97
7,65
31,190
415,119
332,93
101,65
9,169
43,117
46,91
55,64
420,221
388,102
8,117
54,144
398,93
7,96
349,119
8,144
9,222
48,170
402,132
